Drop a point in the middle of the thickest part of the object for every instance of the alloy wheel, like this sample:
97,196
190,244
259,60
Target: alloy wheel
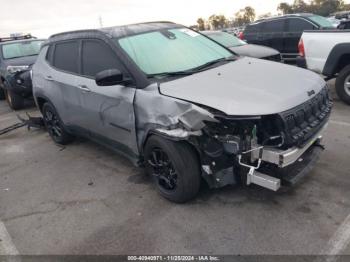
347,85
53,124
163,170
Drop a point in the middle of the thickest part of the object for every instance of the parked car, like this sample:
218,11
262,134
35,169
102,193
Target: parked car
242,48
335,22
283,33
234,30
182,105
331,58
344,24
342,15
17,54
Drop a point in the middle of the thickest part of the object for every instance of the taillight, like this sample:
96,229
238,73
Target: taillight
301,48
241,36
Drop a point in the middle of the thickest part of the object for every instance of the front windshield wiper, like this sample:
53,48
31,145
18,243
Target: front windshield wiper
211,63
165,74
191,71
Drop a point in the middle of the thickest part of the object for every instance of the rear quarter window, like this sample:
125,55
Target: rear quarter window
49,54
66,56
299,25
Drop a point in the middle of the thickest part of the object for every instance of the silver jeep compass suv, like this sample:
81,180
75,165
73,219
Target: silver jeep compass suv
183,106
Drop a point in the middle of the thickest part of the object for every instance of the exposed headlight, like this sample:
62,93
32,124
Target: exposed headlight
15,69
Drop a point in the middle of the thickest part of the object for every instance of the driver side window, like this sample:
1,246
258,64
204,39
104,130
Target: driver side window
96,57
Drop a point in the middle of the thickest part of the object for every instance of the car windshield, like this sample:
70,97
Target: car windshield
172,50
21,49
322,21
226,39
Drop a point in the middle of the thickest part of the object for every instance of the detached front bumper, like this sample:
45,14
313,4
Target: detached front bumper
288,166
284,158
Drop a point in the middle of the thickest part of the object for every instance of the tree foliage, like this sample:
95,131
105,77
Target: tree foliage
245,16
201,24
218,21
242,17
320,7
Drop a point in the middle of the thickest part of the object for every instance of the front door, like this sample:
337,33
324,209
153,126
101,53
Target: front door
108,111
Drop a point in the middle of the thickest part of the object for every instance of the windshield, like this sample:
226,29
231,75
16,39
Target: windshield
172,50
21,49
226,39
322,21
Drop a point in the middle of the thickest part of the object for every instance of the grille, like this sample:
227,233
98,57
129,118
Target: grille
304,121
275,58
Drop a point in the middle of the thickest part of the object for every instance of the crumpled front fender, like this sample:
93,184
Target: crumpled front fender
168,116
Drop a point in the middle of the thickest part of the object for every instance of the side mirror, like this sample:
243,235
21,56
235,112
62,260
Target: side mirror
109,77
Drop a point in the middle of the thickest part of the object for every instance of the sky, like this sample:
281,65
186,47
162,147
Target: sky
45,17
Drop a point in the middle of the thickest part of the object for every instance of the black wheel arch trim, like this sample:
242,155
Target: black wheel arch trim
334,57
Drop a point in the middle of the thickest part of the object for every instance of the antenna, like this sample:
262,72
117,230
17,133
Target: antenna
100,20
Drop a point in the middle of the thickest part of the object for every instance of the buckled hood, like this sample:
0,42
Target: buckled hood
247,86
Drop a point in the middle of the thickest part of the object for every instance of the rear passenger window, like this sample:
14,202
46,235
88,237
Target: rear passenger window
274,26
252,28
299,25
66,56
96,57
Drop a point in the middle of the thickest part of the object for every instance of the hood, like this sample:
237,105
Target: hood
256,51
26,60
247,87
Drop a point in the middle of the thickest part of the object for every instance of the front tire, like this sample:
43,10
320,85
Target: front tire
2,93
14,100
342,84
175,168
55,126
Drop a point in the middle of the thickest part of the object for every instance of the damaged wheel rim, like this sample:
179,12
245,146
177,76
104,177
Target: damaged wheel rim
347,85
52,124
163,170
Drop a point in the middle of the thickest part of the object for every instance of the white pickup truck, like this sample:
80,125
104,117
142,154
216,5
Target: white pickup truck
327,52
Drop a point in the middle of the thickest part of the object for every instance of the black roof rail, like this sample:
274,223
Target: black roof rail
14,38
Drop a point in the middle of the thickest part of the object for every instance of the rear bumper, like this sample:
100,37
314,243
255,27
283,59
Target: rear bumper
301,62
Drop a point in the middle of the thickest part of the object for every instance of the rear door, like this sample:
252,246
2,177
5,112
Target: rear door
272,32
295,28
107,111
251,34
63,80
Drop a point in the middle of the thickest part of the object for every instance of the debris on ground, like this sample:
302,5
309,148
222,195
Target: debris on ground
36,122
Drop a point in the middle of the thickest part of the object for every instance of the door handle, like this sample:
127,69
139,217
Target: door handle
84,88
49,78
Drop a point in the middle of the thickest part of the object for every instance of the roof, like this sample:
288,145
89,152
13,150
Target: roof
117,31
18,41
284,16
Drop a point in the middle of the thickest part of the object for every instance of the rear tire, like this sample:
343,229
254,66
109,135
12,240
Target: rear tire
14,100
342,84
2,93
175,168
55,126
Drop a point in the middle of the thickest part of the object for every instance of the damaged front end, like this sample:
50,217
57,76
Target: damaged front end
264,150
20,81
